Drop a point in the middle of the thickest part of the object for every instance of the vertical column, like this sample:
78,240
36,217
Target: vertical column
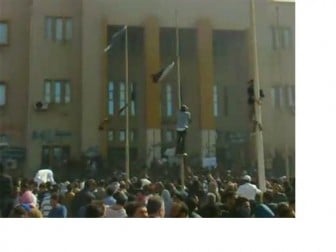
205,69
152,90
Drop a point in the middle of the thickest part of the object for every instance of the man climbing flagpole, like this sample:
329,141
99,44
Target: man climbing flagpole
257,105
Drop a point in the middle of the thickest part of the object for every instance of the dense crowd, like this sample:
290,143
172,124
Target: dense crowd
203,195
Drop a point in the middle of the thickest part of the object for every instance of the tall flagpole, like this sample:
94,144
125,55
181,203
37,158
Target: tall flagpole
178,62
257,106
127,168
182,158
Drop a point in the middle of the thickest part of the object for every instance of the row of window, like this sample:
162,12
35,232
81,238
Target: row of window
120,136
59,92
283,96
61,29
56,29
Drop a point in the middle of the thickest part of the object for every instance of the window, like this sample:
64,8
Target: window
2,94
114,89
169,100
281,37
291,95
111,98
68,29
277,94
3,33
286,37
57,91
110,135
122,135
54,156
215,100
58,28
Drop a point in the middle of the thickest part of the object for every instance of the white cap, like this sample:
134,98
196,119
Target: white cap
246,178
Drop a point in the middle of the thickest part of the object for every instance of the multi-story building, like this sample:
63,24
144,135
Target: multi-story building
57,84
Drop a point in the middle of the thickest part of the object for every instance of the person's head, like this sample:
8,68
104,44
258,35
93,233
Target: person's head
136,209
70,188
284,211
155,207
90,184
243,207
19,212
211,199
26,211
229,198
268,196
159,187
184,108
35,213
246,179
54,199
179,210
120,198
94,211
277,188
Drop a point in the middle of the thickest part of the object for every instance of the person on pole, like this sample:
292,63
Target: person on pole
183,121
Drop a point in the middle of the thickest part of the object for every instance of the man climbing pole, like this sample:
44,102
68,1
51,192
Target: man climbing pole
183,121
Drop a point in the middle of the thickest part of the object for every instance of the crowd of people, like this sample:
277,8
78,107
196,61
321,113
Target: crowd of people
202,196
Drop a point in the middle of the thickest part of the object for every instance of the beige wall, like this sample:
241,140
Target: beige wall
53,60
14,70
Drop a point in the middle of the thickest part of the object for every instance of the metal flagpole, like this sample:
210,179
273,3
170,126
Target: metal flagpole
178,63
257,106
182,158
127,169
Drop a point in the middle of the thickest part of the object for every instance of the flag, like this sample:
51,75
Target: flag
159,76
114,37
122,109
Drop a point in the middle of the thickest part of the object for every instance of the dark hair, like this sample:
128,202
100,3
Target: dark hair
181,209
17,212
93,211
120,198
191,203
285,211
131,208
240,201
184,108
268,196
154,204
55,196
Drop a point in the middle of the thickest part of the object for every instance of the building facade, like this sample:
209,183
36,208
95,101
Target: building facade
58,85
